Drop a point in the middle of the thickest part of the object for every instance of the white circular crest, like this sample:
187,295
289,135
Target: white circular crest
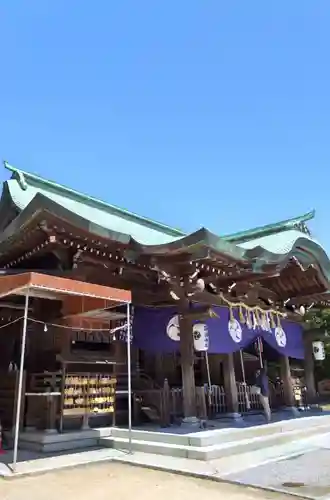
235,330
200,333
201,337
173,328
280,336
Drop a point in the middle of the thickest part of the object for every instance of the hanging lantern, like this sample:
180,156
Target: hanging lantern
201,337
318,350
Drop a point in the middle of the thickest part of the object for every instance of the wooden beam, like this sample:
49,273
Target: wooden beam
248,277
108,277
64,257
113,265
143,292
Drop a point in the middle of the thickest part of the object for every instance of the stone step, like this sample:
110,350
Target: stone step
236,463
221,436
196,449
53,442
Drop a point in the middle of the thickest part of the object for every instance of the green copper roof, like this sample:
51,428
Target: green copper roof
273,244
23,187
201,244
271,229
280,243
298,245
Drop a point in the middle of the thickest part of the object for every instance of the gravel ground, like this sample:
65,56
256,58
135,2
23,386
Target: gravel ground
122,482
306,474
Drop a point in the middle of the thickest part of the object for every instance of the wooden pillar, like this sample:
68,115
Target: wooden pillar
215,362
289,400
230,384
309,371
187,369
159,369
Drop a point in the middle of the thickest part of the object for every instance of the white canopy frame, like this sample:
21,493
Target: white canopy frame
28,289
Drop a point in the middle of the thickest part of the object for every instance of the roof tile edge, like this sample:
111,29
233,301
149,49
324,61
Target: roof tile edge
269,229
23,177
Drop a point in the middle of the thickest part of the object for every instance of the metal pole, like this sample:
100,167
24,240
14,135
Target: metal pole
260,353
20,381
248,404
129,379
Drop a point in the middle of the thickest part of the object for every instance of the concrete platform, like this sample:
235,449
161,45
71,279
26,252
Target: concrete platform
214,444
235,468
300,437
220,469
53,442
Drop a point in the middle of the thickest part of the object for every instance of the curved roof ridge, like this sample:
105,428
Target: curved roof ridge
23,177
269,229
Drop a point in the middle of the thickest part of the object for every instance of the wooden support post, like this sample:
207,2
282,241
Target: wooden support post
159,368
289,400
166,405
215,361
230,385
201,403
309,372
187,370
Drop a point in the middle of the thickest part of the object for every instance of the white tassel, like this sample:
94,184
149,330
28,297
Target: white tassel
248,320
255,322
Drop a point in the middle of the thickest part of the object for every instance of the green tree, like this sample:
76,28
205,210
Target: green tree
318,319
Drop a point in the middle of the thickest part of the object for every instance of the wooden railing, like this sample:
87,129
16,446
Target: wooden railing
145,380
45,382
168,402
176,402
157,401
247,399
216,399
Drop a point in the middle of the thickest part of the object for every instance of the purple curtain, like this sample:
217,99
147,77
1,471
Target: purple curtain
156,331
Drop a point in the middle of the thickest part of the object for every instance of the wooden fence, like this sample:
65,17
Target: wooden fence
210,402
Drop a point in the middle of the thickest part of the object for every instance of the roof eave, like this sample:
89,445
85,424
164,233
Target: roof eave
286,225
23,179
200,242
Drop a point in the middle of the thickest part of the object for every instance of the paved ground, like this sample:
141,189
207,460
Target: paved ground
306,474
123,482
304,471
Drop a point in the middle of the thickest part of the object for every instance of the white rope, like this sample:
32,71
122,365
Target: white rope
208,377
67,327
247,399
12,322
260,354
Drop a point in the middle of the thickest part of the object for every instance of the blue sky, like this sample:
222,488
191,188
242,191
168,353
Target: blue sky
195,113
